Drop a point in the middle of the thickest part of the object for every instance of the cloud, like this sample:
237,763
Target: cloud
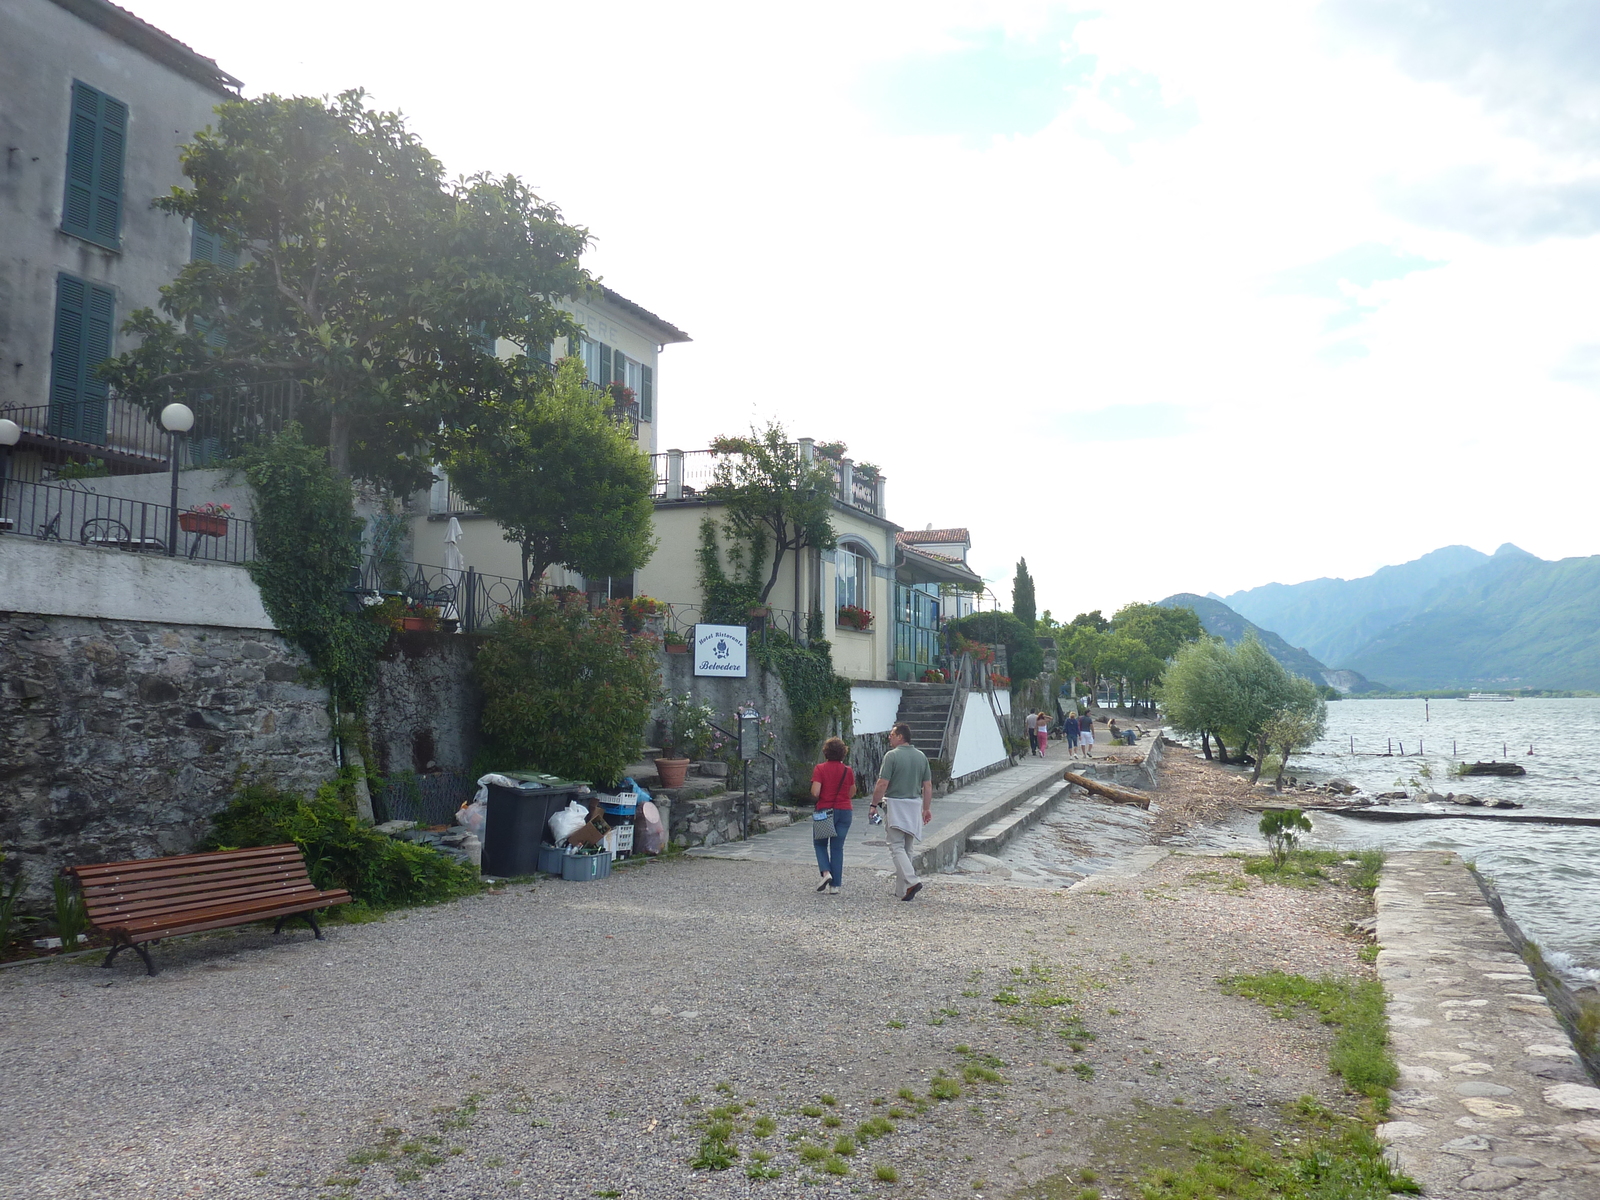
988,83
1581,365
1357,266
1488,205
1530,62
1124,423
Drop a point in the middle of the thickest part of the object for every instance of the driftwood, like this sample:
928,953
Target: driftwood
1108,791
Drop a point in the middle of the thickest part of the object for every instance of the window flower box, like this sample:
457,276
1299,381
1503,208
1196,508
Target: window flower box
852,616
207,520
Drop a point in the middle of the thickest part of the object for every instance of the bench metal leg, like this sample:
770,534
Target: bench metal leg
115,950
311,919
143,952
139,949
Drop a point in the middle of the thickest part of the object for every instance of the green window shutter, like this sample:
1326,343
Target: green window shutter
85,318
619,367
647,393
202,244
603,376
96,141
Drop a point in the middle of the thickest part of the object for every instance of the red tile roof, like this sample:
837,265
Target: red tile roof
931,537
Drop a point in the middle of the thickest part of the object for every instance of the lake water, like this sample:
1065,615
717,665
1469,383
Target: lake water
1549,875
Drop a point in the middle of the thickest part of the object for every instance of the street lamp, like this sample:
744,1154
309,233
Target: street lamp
176,419
10,431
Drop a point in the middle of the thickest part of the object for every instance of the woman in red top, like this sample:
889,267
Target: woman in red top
832,784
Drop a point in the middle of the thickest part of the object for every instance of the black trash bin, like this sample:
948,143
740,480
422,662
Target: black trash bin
515,825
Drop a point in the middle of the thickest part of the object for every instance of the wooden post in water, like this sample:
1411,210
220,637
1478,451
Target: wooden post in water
1353,746
1402,749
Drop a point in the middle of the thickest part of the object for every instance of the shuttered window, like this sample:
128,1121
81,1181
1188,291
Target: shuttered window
85,315
647,393
205,246
96,139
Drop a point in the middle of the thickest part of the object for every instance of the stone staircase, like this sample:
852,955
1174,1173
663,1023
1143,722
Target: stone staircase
926,708
704,812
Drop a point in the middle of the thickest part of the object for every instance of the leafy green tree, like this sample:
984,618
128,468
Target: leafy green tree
1296,726
1024,658
1163,630
1129,661
773,496
363,274
1091,620
1082,648
1282,829
561,478
308,546
566,690
1023,605
1199,693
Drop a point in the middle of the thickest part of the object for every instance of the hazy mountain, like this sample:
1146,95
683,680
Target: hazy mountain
1218,619
1516,621
1334,618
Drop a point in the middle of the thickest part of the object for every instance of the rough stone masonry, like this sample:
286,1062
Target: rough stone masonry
119,739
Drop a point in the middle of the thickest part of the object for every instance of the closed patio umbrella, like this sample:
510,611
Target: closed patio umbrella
454,569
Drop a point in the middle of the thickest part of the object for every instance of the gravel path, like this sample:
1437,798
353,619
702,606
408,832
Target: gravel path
548,1040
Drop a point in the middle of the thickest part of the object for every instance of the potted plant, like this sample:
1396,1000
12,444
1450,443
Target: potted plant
209,519
419,618
685,732
833,450
675,642
760,612
934,675
853,616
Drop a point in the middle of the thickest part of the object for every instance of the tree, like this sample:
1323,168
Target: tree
1199,693
560,477
1296,726
1091,620
363,275
773,495
1082,648
1023,605
1024,658
566,690
1163,630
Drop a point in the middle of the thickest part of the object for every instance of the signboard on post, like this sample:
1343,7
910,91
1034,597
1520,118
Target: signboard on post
721,650
749,734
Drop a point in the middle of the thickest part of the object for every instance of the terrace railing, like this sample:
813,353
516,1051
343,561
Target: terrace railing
63,513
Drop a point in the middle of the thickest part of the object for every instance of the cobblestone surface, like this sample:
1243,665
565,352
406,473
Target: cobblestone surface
1491,1096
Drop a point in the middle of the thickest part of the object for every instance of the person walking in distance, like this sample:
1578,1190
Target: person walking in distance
832,785
905,790
1044,734
1070,725
1030,724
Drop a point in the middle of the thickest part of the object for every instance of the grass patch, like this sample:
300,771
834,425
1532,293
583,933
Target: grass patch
1360,1054
1311,868
811,1110
810,1152
834,1165
884,1173
1175,1154
845,1146
763,1127
943,1088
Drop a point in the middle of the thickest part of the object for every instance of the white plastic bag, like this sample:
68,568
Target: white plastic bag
471,816
652,838
567,822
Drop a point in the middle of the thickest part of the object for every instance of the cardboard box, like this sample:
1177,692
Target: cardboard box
590,833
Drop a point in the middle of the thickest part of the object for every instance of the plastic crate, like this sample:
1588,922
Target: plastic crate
624,839
550,859
582,867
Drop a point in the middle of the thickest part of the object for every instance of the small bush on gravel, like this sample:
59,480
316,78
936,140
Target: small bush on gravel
944,1088
884,1173
340,851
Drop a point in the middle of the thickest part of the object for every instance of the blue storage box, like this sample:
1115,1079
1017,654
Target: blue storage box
582,867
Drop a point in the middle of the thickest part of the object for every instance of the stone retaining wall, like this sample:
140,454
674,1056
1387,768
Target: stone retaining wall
425,706
123,737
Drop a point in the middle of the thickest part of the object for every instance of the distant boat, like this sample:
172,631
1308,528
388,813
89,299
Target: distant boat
1499,697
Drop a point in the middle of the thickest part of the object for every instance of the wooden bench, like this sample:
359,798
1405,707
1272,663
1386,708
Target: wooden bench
147,899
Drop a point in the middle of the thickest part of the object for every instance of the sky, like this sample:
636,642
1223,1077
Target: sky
1162,296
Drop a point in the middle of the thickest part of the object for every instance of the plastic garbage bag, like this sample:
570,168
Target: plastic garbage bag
651,836
472,816
567,822
633,784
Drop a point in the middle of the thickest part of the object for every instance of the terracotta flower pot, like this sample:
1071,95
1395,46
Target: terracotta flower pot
419,624
677,649
208,524
673,771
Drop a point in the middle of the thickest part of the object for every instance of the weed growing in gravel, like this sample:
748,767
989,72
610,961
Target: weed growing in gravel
875,1127
761,1166
1305,868
834,1165
884,1173
845,1146
811,1110
897,1024
1083,1071
1369,952
831,1122
907,1095
810,1152
827,1099
763,1127
1360,1053
943,1087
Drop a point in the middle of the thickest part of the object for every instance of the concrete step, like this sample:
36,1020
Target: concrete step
998,834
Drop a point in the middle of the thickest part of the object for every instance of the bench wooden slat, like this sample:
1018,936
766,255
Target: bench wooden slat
177,862
145,900
155,889
101,914
256,910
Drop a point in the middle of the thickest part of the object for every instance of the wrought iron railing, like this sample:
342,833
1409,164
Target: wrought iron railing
689,474
463,595
129,435
64,513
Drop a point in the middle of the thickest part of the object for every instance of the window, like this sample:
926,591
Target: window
852,579
96,138
647,393
604,364
205,246
85,317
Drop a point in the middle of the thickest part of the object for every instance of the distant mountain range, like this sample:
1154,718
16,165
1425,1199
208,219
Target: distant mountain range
1455,618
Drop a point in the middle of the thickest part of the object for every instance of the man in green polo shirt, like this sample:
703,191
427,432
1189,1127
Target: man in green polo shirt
905,791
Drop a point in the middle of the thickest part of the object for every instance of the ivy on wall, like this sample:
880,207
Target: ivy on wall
308,548
730,592
818,697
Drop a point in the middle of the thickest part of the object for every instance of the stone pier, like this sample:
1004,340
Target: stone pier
1491,1097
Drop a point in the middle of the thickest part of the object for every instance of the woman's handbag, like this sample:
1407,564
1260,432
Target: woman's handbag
822,827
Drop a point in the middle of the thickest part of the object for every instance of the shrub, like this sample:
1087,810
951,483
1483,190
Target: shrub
1282,829
566,690
340,851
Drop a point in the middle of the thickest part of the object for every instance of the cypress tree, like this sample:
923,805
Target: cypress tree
1023,606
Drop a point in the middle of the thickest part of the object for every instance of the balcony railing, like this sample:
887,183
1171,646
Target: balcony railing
129,436
686,475
52,513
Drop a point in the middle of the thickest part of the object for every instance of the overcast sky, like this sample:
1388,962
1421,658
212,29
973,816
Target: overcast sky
1165,296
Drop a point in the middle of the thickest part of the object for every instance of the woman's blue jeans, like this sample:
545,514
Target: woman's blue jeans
830,853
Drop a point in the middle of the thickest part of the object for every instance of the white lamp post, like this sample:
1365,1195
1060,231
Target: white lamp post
10,431
176,419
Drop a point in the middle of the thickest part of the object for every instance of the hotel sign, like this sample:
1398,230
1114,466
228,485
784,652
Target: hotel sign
721,650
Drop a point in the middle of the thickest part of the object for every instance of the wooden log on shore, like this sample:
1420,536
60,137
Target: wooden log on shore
1108,791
